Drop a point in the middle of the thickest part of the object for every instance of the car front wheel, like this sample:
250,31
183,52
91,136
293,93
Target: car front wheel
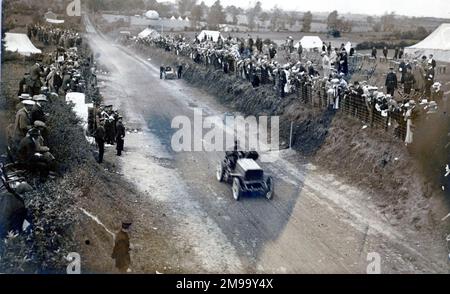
237,191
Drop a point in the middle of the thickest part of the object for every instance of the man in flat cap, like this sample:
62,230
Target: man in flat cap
37,113
121,251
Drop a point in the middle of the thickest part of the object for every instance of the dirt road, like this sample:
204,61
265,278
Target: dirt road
315,223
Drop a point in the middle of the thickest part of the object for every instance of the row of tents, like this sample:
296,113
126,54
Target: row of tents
437,43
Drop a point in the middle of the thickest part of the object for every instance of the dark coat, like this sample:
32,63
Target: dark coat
100,135
391,81
121,251
27,149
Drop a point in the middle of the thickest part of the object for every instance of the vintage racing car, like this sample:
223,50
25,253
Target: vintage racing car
169,73
247,177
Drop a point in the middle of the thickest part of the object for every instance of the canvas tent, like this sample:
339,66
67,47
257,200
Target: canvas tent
148,32
310,42
437,43
152,14
21,44
54,21
209,34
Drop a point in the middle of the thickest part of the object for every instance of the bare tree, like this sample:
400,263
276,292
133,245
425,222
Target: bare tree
307,21
185,6
216,15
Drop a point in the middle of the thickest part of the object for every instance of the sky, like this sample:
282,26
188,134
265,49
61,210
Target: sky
434,8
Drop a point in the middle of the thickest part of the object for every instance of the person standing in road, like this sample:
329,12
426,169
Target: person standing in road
100,134
161,72
180,70
120,136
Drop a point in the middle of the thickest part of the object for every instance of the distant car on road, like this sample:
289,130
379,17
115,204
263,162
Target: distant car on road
246,176
169,73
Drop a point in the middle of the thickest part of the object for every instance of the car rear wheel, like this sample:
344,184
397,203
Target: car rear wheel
270,188
237,191
220,172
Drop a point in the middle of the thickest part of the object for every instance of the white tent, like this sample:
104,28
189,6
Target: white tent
173,18
152,14
180,18
21,44
209,34
437,43
54,21
148,32
310,42
186,19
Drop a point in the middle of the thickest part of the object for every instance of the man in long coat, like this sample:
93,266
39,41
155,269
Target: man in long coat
120,136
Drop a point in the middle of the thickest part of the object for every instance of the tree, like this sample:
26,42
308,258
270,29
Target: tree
307,21
216,15
234,12
253,14
258,8
277,22
332,20
185,6
370,20
196,14
264,16
292,18
388,22
205,10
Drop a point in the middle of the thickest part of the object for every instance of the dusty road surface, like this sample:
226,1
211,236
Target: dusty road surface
315,223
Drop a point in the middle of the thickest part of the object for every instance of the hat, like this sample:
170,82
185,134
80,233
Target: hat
40,98
24,97
39,124
437,85
126,224
28,102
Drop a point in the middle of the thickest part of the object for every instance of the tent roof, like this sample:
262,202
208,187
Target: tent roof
310,42
20,43
148,32
214,34
437,43
439,39
54,21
